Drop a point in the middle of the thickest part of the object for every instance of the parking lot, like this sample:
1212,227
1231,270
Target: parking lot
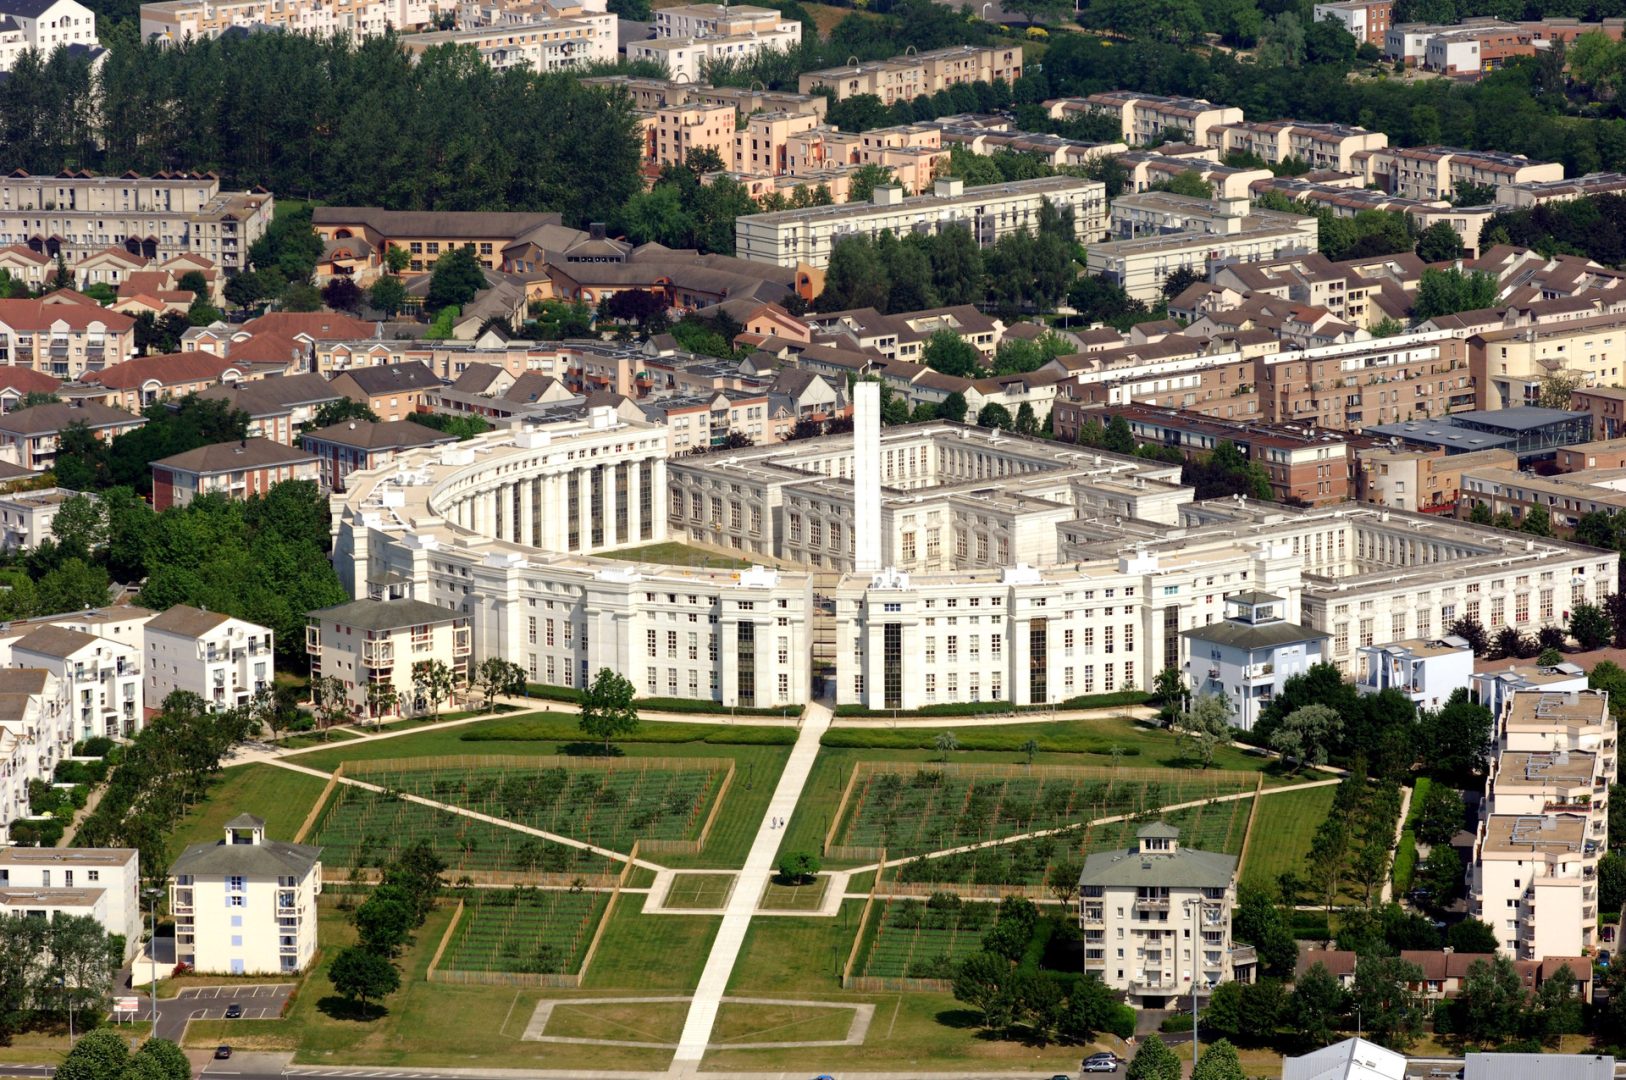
263,1001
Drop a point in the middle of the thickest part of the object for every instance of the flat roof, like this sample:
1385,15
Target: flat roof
24,897
1562,708
66,857
1545,768
1525,833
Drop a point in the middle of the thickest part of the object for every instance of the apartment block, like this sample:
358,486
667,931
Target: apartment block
1366,20
1429,173
795,237
426,235
245,905
100,676
649,94
1522,196
1146,118
179,20
1429,481
541,44
78,214
1515,361
35,734
1364,383
30,437
903,78
1248,656
107,882
1321,146
63,338
237,470
44,26
692,37
223,660
373,645
675,131
1544,823
1425,670
26,516
1156,918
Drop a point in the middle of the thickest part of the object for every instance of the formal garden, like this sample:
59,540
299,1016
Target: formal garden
521,931
921,939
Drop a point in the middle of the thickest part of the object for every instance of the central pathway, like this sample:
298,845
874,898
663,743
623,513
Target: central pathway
742,902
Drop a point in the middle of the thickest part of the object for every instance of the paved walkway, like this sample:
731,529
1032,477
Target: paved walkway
1400,827
742,902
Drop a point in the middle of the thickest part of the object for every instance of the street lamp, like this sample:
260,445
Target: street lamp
153,893
1196,907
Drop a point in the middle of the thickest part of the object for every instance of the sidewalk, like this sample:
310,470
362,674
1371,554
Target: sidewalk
742,902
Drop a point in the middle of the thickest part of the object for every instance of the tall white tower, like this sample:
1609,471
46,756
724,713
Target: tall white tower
867,476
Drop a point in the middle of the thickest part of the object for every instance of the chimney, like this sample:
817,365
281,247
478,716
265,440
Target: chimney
948,187
596,230
887,195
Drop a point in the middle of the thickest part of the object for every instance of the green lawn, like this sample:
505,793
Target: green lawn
1282,830
757,769
281,796
779,897
672,553
708,891
785,956
645,1021
750,1022
653,954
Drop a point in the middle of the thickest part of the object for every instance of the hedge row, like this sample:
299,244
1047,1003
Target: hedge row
552,727
573,696
990,708
996,739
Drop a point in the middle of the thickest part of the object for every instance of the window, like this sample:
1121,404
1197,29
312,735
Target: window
652,639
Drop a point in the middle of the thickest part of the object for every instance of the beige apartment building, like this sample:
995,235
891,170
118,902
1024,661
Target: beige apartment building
650,94
1145,118
543,44
1363,383
1321,146
903,78
1429,481
671,134
690,38
368,644
178,20
64,339
796,237
1433,172
1544,822
75,215
767,144
1514,361
426,235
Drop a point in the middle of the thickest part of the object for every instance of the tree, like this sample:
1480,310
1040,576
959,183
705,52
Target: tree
1205,725
416,874
497,677
1391,1013
1440,816
994,415
799,867
22,945
1179,280
340,411
1490,1004
1013,928
1472,936
1556,392
387,295
1439,243
1219,1062
1557,1009
1260,923
1223,1014
1153,1060
1118,437
343,294
1041,9
946,743
952,408
99,1055
1062,877
159,1059
432,681
1318,1001
1446,292
1473,633
1305,735
864,180
1590,627
1440,876
982,980
1537,521
1190,183
244,289
644,307
383,699
456,278
951,354
1090,1008
361,975
1611,881
384,921
607,709
1172,695
1458,735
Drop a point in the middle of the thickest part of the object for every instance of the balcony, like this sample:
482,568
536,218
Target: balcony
313,640
1259,672
1148,903
1093,915
378,654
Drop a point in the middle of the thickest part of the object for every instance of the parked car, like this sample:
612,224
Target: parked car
222,1053
234,1011
1102,1062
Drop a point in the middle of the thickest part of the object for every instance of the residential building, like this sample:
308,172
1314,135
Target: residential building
100,676
1352,1059
1433,172
375,646
1250,655
1147,118
245,905
1523,196
1156,918
1428,481
1603,454
542,44
63,340
29,437
1493,689
1543,823
1425,671
177,20
44,26
103,883
678,130
76,215
34,735
135,384
904,78
1320,146
362,444
426,235
223,660
278,408
690,37
793,238
1566,497
391,391
1607,404
1366,20
26,516
238,470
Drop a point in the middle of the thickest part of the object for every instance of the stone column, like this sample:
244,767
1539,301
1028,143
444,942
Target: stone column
607,511
584,507
635,516
527,514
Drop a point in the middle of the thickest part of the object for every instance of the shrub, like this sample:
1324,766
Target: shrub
562,727
1405,862
1177,1021
97,746
1122,1021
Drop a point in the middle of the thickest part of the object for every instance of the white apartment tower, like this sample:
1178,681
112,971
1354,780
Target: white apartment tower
245,905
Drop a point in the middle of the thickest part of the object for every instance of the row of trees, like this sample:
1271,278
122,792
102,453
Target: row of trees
104,1054
51,969
385,922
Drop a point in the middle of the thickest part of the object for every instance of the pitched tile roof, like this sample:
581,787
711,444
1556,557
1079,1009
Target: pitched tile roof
226,457
168,369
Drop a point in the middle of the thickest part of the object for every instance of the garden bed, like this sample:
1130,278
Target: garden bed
914,944
521,932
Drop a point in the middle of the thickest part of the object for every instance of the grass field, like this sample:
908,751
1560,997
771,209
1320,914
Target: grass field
281,796
654,954
361,828
781,897
672,553
757,769
1282,832
708,891
610,802
927,809
790,957
648,1021
751,1022
524,930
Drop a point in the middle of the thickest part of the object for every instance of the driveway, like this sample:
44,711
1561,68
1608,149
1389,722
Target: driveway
259,1002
